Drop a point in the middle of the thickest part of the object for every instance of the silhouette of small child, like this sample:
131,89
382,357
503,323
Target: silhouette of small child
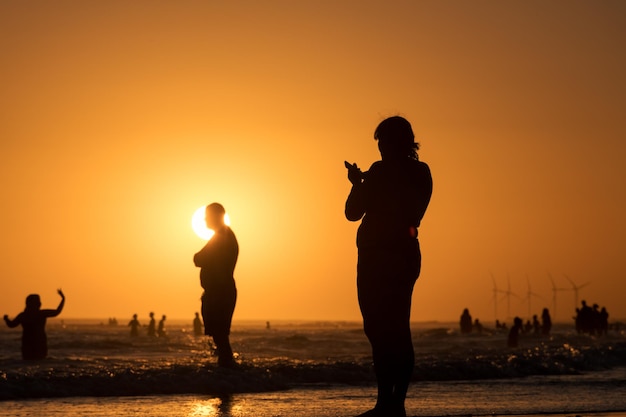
33,322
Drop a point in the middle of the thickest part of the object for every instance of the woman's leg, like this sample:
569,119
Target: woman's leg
385,288
224,350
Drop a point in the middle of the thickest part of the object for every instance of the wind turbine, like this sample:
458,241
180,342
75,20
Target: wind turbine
555,289
529,295
508,295
575,288
496,291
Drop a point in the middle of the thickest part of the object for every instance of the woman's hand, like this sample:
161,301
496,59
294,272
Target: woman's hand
355,175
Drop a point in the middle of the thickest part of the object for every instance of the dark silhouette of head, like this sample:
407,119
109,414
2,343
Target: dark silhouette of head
396,139
33,302
214,216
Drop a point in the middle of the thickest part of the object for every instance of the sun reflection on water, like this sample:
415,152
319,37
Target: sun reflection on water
205,408
215,407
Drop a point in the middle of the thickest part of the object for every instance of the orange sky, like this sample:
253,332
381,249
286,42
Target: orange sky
119,119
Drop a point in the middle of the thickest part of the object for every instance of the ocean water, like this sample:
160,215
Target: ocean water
306,369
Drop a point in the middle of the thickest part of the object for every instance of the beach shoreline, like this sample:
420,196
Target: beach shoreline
316,369
316,402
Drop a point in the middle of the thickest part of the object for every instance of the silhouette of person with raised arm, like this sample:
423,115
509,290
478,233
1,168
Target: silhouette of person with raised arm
217,260
391,199
197,325
33,322
152,326
134,326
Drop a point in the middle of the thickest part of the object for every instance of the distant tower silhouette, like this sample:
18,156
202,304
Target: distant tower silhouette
508,295
496,293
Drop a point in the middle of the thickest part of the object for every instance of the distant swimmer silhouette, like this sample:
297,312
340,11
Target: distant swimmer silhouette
33,322
152,326
197,325
161,330
391,198
478,326
516,329
217,260
466,322
134,326
546,322
536,325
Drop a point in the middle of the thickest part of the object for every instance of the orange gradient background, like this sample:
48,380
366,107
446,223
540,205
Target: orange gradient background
119,119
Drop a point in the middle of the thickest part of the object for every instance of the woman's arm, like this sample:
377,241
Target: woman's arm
200,259
13,323
61,304
355,204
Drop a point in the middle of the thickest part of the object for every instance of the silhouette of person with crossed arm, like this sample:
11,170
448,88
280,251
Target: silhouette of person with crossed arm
217,260
391,199
33,322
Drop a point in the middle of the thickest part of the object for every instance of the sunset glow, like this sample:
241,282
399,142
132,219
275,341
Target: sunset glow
119,119
198,224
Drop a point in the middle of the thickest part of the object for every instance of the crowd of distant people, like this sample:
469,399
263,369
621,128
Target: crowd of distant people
159,331
591,320
538,327
152,330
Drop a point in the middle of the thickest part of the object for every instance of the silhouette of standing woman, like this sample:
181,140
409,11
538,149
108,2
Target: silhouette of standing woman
391,198
217,260
33,321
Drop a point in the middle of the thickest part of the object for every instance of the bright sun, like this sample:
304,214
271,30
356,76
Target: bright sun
198,224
